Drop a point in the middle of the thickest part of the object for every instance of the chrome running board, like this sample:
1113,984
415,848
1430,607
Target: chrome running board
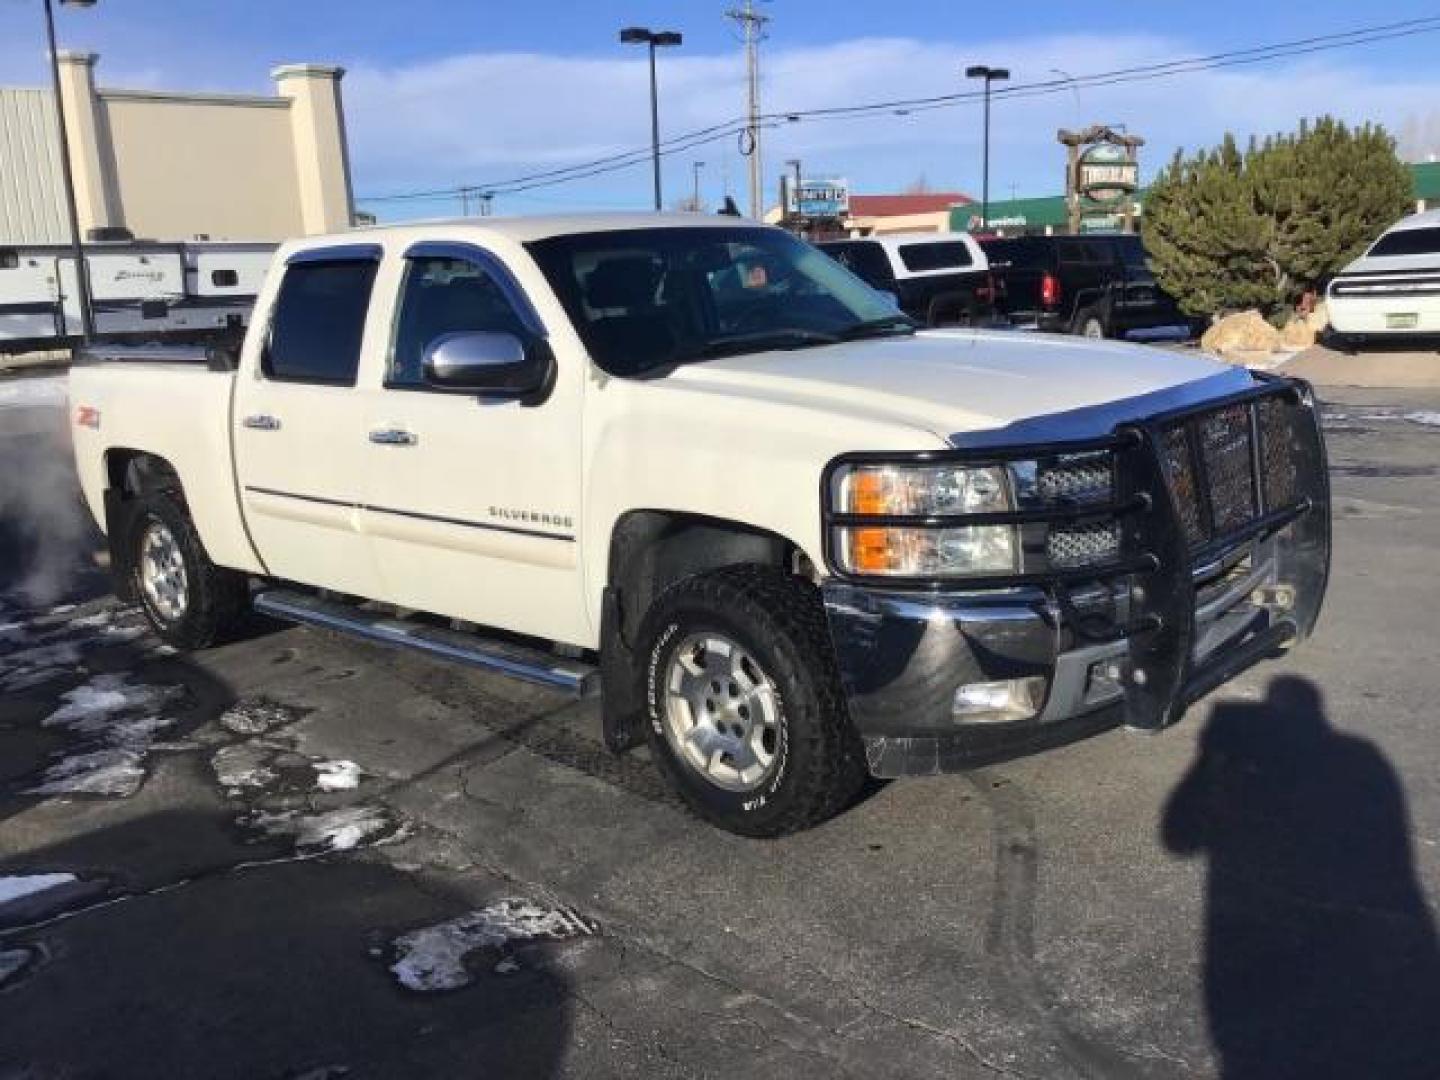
501,657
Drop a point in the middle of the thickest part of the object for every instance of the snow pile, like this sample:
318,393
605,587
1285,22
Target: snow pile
333,830
117,721
1429,419
433,958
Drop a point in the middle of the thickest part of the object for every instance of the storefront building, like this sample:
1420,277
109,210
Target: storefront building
176,166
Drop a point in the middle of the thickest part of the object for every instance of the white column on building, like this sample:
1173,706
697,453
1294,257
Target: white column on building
95,198
322,160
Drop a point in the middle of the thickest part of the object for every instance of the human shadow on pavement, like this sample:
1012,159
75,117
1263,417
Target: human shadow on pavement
273,970
1321,957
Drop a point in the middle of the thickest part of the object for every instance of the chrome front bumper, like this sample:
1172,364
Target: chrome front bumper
904,658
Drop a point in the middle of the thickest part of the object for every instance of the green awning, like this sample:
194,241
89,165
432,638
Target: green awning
1011,214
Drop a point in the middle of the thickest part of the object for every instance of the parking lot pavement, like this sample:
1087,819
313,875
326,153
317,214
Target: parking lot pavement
296,856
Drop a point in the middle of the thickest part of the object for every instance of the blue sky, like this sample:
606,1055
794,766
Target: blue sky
441,93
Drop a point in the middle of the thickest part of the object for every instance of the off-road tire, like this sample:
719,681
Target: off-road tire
216,597
780,621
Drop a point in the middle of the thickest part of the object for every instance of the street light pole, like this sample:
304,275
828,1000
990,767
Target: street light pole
989,74
640,35
695,167
82,270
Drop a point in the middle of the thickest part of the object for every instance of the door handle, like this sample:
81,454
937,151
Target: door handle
262,422
393,437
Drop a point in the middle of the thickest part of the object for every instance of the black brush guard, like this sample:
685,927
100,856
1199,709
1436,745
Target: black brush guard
1194,490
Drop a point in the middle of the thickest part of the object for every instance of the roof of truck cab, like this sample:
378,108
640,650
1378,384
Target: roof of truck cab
1423,220
537,227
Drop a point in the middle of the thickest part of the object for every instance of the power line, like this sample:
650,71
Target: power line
751,124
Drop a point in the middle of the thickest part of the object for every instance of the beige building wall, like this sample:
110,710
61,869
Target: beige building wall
173,166
186,165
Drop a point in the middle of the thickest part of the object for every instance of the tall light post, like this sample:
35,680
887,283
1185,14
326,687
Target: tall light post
990,75
655,39
695,167
794,164
82,271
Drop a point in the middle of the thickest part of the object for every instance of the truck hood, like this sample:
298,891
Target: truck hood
960,385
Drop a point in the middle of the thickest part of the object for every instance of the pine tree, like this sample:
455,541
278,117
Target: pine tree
1226,230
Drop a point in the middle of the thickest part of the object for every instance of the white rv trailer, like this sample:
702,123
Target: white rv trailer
140,291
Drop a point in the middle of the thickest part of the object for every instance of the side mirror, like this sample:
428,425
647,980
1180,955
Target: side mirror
488,362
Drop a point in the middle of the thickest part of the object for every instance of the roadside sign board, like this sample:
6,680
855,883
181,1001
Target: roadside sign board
819,197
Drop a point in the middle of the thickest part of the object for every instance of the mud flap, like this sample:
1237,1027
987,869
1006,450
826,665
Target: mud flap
119,523
622,713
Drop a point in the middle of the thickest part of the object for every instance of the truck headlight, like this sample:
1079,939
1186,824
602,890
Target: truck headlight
896,549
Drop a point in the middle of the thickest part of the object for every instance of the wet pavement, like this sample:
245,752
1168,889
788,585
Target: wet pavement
297,856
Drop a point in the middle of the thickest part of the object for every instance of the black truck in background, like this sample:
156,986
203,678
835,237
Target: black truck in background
1096,286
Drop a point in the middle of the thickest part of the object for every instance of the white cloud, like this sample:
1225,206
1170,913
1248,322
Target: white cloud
485,117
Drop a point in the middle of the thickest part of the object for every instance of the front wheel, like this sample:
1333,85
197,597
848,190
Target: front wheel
188,600
745,712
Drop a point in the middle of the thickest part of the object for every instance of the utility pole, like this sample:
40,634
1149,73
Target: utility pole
464,202
696,166
486,199
752,27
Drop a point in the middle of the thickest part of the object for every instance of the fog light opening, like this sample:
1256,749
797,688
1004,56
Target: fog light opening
999,702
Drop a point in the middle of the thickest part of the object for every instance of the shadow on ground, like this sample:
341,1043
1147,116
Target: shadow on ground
1320,954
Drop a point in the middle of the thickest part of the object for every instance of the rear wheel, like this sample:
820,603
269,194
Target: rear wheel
743,698
188,600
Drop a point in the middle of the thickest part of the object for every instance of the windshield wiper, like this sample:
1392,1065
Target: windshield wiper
788,338
886,324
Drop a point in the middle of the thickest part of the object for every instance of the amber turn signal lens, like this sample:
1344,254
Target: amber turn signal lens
870,550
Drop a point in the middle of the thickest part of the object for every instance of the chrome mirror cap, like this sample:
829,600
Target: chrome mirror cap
487,362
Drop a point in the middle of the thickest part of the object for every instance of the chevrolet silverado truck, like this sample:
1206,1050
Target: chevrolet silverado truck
697,466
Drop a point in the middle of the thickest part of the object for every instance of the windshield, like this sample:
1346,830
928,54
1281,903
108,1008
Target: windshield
643,299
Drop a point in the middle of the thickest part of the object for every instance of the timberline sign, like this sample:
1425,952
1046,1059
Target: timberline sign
1108,173
1102,175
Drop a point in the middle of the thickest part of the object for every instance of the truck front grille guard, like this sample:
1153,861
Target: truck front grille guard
1189,488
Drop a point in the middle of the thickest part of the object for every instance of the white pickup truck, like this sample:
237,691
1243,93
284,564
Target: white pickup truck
697,465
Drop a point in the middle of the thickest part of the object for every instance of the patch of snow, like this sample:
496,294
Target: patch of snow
89,708
13,961
12,888
244,766
117,721
111,771
257,716
334,830
337,775
1429,419
433,958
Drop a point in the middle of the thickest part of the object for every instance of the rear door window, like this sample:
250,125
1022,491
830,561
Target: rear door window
945,255
1408,242
319,321
1023,253
865,259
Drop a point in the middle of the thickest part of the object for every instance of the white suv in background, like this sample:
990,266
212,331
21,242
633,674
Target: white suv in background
1393,290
